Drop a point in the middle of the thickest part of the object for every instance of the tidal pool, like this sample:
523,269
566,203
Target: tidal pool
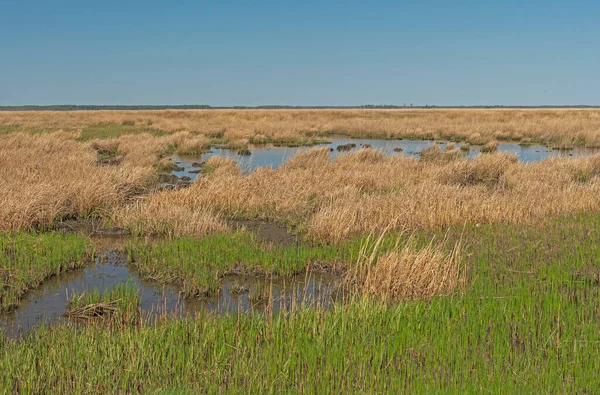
274,157
47,305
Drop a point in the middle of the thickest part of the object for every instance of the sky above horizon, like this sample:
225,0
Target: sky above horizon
228,53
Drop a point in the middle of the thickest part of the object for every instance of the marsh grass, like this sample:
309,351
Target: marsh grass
565,127
333,200
527,322
7,129
199,264
526,262
220,166
108,131
284,141
406,271
26,260
52,177
482,170
490,146
118,306
47,178
435,154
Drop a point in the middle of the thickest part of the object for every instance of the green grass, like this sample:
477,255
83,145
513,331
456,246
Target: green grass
28,259
119,305
91,132
199,264
299,141
7,129
527,323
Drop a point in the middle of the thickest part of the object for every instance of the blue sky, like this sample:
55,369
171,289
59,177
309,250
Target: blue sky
228,53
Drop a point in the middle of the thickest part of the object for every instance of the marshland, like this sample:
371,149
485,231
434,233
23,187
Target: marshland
300,250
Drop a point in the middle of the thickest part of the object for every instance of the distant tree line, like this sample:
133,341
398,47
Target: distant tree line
73,107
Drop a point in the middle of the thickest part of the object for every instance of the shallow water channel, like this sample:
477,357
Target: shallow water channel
261,156
47,305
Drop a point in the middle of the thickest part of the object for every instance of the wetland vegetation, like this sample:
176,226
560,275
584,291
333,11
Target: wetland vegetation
448,272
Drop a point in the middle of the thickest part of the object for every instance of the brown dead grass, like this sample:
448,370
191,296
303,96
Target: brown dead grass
161,217
559,127
48,177
407,272
364,191
490,146
433,153
483,169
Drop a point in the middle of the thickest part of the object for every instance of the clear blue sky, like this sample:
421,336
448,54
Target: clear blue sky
460,52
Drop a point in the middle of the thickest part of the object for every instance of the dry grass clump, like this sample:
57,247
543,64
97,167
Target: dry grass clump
220,166
309,159
365,155
105,147
143,149
95,310
433,153
477,139
490,146
190,143
331,200
49,177
238,144
407,272
135,150
119,306
588,170
483,169
161,216
566,127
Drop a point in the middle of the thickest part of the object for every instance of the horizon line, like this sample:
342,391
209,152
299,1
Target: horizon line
99,107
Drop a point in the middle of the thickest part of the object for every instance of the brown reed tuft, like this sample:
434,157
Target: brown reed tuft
407,272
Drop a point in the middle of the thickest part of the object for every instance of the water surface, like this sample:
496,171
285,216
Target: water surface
48,304
276,156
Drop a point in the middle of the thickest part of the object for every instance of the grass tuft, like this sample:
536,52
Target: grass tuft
406,271
118,306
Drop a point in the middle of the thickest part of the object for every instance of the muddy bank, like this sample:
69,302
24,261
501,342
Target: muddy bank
118,238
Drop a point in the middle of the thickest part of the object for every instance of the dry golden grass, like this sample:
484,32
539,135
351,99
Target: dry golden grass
483,169
48,177
490,146
143,149
168,218
559,127
220,166
52,176
407,272
365,191
433,153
